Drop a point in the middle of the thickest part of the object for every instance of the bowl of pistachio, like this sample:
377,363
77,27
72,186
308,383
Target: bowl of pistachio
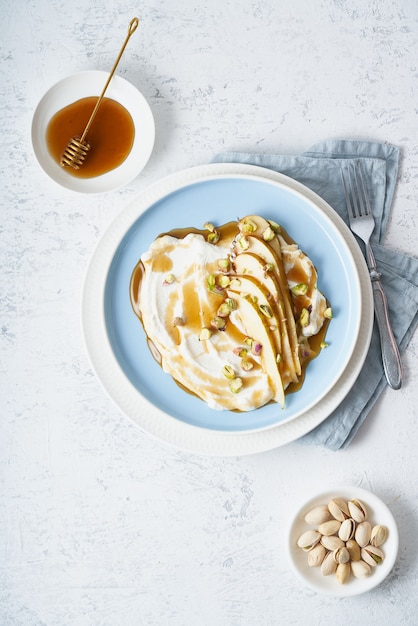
343,542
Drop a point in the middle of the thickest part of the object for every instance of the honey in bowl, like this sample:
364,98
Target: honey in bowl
111,135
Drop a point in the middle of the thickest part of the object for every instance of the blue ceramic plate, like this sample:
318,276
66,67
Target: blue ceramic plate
220,199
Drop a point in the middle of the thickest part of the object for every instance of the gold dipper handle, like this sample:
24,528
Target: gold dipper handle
133,25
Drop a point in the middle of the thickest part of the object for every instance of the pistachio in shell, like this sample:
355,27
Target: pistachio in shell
338,509
318,515
341,555
343,572
360,569
332,542
363,534
309,539
331,527
329,565
354,549
316,555
378,536
347,529
372,555
357,510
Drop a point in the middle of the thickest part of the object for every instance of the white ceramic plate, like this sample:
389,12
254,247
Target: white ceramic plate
108,357
378,513
81,85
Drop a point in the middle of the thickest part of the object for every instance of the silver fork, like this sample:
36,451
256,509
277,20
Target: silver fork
362,224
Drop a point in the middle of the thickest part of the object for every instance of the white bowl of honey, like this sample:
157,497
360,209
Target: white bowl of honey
122,134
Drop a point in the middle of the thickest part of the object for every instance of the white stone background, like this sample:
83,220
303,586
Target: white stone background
100,523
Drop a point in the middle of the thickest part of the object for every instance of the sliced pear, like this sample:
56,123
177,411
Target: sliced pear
255,328
263,298
249,264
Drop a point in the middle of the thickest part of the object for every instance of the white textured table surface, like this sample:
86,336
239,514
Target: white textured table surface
100,523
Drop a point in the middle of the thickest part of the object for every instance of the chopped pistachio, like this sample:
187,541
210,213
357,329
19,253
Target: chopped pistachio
211,280
224,264
224,310
276,227
240,351
178,321
231,303
299,290
328,313
247,226
256,348
218,323
265,310
169,279
248,341
205,334
323,344
236,385
304,317
209,226
269,267
269,234
224,281
214,236
243,242
279,358
235,282
247,364
228,372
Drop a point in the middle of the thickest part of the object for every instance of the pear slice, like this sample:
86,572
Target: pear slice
262,298
255,327
248,264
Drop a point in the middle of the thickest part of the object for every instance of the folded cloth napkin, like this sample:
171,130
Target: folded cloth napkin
319,169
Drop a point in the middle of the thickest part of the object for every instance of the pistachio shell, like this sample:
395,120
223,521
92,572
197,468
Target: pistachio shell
360,569
329,565
347,529
372,555
338,509
318,515
330,527
332,542
357,510
378,536
316,555
343,572
354,549
309,539
341,555
363,534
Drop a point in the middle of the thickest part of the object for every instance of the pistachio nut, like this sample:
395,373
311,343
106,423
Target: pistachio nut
343,572
354,549
347,529
329,565
316,555
331,527
317,515
357,510
378,536
338,509
372,555
360,569
309,539
332,542
363,534
341,555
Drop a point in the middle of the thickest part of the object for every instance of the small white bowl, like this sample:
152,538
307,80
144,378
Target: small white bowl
378,513
81,85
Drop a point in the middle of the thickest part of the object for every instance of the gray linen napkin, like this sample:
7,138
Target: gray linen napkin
319,169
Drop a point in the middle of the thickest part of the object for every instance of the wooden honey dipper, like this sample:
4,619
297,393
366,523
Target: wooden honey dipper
77,149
